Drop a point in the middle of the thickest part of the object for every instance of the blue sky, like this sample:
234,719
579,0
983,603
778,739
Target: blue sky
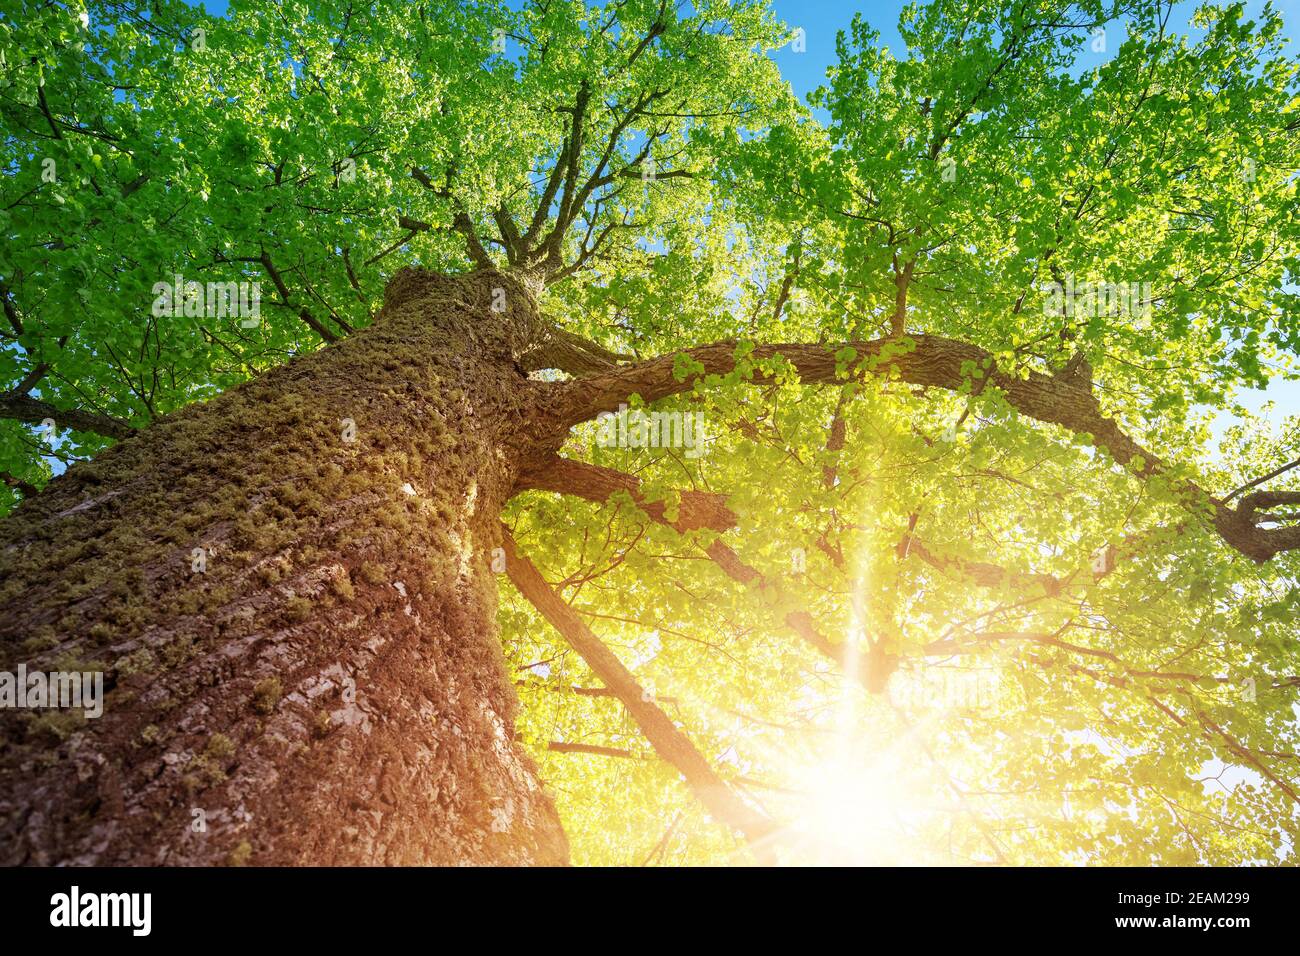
820,20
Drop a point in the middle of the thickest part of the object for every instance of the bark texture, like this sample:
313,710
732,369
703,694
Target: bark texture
328,688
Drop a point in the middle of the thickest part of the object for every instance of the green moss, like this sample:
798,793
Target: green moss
71,661
138,662
298,609
188,602
129,617
55,726
217,598
178,651
220,746
372,573
342,588
266,694
241,854
270,573
39,642
46,759
204,770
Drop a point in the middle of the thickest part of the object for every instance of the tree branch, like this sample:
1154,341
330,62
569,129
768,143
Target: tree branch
461,221
24,408
304,313
25,488
1260,480
939,362
558,348
667,739
560,747
982,573
10,310
698,509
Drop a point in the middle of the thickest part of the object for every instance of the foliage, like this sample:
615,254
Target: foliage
1037,712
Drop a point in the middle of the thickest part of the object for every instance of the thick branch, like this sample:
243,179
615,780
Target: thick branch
570,162
667,739
24,408
698,509
461,221
10,310
584,691
981,572
568,352
560,747
465,226
935,361
25,488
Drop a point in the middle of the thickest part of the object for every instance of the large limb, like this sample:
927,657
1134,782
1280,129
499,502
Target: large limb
666,737
557,348
939,362
982,573
17,403
24,488
698,509
24,408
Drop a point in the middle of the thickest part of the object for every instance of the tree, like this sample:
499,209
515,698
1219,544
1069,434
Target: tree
770,424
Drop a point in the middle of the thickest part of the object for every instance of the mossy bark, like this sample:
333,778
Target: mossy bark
329,687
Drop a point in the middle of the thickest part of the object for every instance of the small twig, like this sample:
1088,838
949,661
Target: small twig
1259,481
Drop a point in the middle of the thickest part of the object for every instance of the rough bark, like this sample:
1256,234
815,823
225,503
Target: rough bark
329,689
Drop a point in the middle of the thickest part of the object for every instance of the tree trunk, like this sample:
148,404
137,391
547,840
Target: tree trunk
322,682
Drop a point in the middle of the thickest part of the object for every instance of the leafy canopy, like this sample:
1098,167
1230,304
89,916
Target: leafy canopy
646,167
